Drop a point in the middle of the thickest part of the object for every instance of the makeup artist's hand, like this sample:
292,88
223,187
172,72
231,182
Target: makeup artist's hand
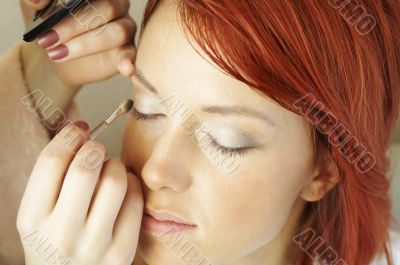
90,56
92,45
90,216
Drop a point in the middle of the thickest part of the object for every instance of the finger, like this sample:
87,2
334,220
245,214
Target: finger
107,201
103,65
116,34
93,16
36,4
78,187
45,181
126,66
127,226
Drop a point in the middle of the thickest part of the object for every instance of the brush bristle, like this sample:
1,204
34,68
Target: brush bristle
126,106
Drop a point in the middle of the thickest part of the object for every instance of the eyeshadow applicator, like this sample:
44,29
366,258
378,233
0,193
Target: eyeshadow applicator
123,108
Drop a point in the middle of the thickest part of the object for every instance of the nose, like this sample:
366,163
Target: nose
169,162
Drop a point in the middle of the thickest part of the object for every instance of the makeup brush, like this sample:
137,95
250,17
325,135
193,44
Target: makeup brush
123,108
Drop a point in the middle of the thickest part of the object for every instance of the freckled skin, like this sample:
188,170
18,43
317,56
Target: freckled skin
247,217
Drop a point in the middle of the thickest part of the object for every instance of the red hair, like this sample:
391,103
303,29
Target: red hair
344,53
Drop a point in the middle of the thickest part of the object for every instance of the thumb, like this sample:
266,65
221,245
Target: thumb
29,7
126,59
36,5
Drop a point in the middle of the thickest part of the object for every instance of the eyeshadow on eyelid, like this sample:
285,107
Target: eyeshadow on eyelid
234,137
232,142
148,103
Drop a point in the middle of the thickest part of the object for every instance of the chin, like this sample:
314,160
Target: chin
154,251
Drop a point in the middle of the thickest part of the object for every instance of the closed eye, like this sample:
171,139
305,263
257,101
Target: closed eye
227,150
141,116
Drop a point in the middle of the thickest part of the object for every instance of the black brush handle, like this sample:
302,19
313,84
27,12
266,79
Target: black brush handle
40,26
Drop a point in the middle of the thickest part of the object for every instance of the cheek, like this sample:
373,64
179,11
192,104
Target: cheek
251,207
254,209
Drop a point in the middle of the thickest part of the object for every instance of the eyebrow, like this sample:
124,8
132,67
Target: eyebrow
239,111
145,82
223,110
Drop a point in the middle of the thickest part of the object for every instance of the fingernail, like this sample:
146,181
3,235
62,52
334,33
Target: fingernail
82,124
48,39
58,52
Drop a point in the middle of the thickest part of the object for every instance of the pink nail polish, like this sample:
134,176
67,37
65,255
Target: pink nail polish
82,124
58,52
48,39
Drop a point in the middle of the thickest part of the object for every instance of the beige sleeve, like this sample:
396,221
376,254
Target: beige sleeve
22,137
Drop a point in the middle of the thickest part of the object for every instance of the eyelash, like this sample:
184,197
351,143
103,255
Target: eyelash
141,116
224,150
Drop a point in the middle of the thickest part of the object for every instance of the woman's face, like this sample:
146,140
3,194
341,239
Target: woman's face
211,150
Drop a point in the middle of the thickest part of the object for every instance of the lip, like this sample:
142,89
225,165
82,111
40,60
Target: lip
163,222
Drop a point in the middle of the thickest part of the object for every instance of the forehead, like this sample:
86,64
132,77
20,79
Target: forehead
176,66
167,59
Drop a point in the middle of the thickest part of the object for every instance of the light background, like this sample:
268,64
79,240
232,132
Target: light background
99,100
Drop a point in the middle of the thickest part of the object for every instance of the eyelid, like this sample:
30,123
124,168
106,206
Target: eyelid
230,134
147,103
241,144
228,150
